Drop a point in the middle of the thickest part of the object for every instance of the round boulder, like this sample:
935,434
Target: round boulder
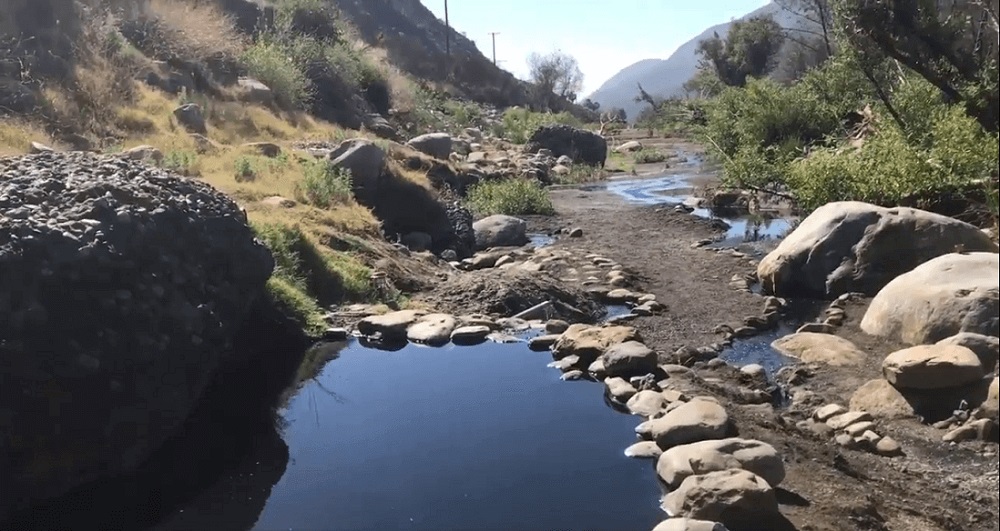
695,421
986,347
736,498
500,231
811,347
562,140
857,247
682,462
631,358
932,367
948,295
437,145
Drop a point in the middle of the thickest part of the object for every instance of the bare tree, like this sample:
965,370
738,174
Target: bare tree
556,73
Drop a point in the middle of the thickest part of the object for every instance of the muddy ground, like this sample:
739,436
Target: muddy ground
935,486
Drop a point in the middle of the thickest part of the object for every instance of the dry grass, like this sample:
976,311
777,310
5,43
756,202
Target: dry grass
193,30
16,137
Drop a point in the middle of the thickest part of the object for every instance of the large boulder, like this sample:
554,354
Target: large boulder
811,347
500,231
392,326
562,140
364,160
682,462
987,348
932,367
695,421
738,499
591,342
437,145
948,295
631,358
122,289
857,247
191,118
992,405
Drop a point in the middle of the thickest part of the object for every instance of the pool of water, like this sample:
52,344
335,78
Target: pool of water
452,438
757,350
538,240
675,189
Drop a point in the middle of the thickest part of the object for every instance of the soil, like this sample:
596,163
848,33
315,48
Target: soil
935,486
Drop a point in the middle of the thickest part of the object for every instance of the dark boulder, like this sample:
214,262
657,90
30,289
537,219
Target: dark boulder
582,146
122,289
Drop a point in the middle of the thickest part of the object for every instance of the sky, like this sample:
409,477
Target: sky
604,36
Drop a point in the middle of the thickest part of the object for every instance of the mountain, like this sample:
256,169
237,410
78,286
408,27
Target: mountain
665,77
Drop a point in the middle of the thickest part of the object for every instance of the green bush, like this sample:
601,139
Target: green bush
649,156
271,63
324,185
519,124
514,197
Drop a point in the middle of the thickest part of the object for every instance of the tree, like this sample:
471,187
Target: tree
556,73
953,45
704,84
750,50
591,105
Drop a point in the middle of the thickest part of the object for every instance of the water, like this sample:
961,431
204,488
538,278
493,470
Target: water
539,240
676,189
453,438
757,349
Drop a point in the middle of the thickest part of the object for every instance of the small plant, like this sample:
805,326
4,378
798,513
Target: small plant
269,62
581,173
182,162
649,156
245,169
514,197
324,185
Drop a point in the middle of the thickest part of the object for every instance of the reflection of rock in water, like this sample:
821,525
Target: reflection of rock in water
216,474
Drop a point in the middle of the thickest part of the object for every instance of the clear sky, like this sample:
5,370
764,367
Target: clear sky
604,35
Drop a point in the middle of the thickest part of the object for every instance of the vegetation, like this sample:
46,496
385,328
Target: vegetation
519,124
649,156
514,197
325,186
891,102
556,73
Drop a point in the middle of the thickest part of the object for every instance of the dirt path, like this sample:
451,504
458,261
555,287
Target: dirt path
933,487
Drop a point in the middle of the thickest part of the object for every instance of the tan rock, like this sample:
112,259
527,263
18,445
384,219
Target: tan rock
691,422
433,329
731,497
391,326
882,400
932,367
590,342
811,347
682,462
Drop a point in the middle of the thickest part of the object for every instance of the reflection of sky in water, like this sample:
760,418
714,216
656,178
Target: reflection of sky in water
674,190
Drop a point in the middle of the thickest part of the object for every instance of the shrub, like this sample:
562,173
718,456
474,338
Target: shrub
324,185
182,162
519,124
514,197
649,156
269,62
191,31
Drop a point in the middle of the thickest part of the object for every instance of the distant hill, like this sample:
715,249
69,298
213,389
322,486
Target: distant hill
665,77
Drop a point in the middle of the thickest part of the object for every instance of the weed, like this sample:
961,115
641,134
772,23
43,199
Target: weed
514,197
649,156
324,185
180,161
245,169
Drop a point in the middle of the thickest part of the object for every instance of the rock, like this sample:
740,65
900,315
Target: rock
470,335
561,170
132,289
364,160
946,296
858,429
811,347
629,147
888,447
500,231
576,233
987,348
686,524
190,117
844,420
693,421
542,343
591,342
643,450
647,404
572,376
992,404
143,153
434,329
682,462
817,328
473,134
827,412
882,400
336,334
253,91
417,241
437,145
562,140
732,497
619,389
476,157
629,359
266,149
36,148
982,430
856,247
932,367
391,326
556,326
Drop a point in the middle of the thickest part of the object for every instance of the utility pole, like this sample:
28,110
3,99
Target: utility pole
494,35
447,30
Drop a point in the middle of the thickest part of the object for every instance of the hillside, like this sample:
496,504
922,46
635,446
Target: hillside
665,77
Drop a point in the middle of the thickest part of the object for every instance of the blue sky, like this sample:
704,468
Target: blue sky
604,35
